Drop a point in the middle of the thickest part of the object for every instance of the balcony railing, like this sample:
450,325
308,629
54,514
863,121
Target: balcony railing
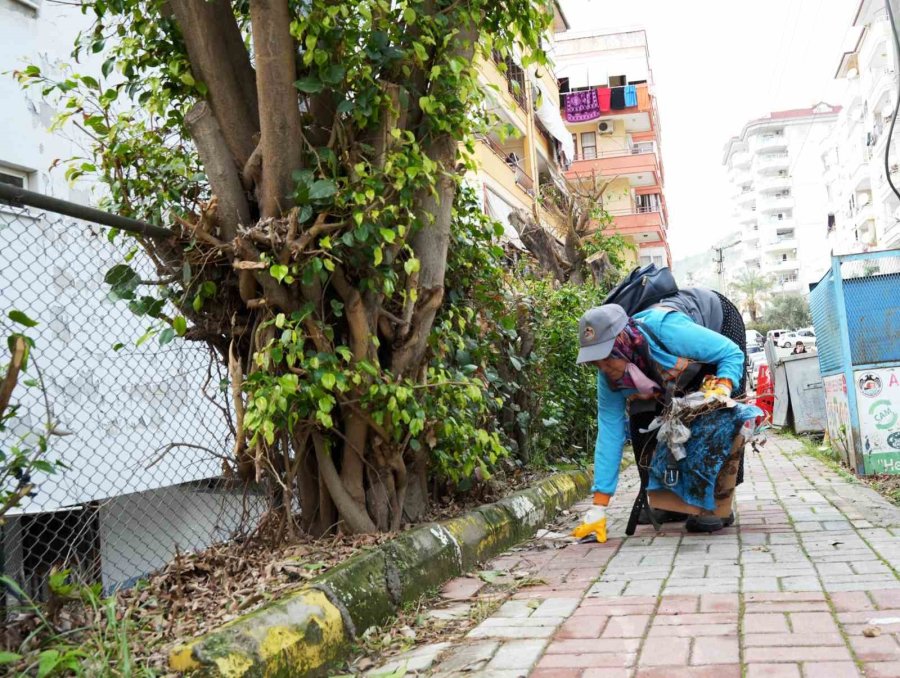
525,182
644,147
637,209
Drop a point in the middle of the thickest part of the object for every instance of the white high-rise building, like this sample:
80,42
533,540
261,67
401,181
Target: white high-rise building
864,211
780,202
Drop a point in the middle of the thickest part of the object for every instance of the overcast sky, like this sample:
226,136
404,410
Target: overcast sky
718,64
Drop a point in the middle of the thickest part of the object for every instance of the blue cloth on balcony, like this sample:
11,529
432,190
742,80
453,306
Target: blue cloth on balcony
630,96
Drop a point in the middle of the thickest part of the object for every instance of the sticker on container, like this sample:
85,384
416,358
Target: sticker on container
870,385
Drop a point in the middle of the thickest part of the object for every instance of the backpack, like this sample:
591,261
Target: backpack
642,288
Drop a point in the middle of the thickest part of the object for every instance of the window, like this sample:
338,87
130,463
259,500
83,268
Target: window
575,143
830,223
13,178
563,85
588,145
648,203
617,81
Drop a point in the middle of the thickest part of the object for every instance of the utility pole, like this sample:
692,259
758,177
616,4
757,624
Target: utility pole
719,260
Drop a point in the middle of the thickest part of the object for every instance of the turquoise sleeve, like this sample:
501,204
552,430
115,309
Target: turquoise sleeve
610,436
685,338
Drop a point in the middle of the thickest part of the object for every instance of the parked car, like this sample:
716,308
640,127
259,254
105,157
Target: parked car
754,338
806,332
756,356
791,339
775,335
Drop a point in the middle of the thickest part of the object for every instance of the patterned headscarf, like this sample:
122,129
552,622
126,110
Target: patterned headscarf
631,345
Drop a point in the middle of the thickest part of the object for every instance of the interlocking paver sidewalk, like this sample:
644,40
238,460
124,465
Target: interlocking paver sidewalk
788,591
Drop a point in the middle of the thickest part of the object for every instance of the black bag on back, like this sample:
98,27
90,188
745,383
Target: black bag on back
642,288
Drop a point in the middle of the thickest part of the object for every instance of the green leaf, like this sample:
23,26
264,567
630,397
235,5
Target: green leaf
48,660
411,266
328,380
334,74
166,336
309,84
322,189
280,319
378,256
180,325
21,319
409,15
279,271
107,67
9,657
388,234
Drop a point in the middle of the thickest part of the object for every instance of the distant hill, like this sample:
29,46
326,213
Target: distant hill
700,268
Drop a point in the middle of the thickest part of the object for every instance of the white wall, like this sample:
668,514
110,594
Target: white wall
43,36
140,533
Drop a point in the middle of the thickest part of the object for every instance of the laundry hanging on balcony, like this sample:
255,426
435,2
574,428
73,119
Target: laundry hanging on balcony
603,96
617,99
630,96
548,114
582,106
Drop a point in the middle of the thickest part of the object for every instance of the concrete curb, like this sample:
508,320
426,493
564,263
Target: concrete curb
301,633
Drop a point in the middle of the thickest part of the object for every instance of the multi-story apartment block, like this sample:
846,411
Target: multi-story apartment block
864,211
606,86
780,203
512,168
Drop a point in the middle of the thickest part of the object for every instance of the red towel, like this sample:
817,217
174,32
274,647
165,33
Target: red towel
603,95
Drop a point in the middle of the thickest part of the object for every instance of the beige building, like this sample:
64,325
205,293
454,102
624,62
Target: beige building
513,167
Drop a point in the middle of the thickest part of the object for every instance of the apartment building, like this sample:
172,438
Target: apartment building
512,167
779,197
609,107
864,212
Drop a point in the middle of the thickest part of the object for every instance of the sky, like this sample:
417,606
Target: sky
717,64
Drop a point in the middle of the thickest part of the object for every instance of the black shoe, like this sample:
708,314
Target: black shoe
708,524
661,515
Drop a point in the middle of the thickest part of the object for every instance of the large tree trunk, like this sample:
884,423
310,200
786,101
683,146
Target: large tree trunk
220,60
281,133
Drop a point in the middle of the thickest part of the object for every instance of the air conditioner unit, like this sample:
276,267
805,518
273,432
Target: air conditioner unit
605,127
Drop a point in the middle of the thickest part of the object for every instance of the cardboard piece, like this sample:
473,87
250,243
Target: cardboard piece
724,492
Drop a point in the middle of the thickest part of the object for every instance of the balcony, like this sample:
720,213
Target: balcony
771,143
497,163
740,160
787,244
747,217
790,285
781,265
640,165
775,184
776,203
640,224
746,198
771,163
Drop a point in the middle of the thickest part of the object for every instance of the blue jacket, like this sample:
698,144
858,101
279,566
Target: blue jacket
691,342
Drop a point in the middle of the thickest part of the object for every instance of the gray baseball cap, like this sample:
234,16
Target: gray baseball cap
597,331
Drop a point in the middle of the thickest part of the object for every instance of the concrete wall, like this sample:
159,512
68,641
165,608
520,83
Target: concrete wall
44,36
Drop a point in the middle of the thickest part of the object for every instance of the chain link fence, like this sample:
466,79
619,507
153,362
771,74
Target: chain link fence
141,430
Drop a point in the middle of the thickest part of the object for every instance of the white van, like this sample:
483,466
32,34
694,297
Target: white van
754,338
774,335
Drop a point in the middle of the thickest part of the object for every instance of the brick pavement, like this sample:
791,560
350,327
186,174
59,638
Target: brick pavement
786,592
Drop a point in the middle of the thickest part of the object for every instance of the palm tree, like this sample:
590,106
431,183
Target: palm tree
752,287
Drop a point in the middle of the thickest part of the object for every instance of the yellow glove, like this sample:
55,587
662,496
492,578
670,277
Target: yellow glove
594,522
714,386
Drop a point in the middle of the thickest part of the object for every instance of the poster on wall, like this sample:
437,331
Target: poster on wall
878,401
837,416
